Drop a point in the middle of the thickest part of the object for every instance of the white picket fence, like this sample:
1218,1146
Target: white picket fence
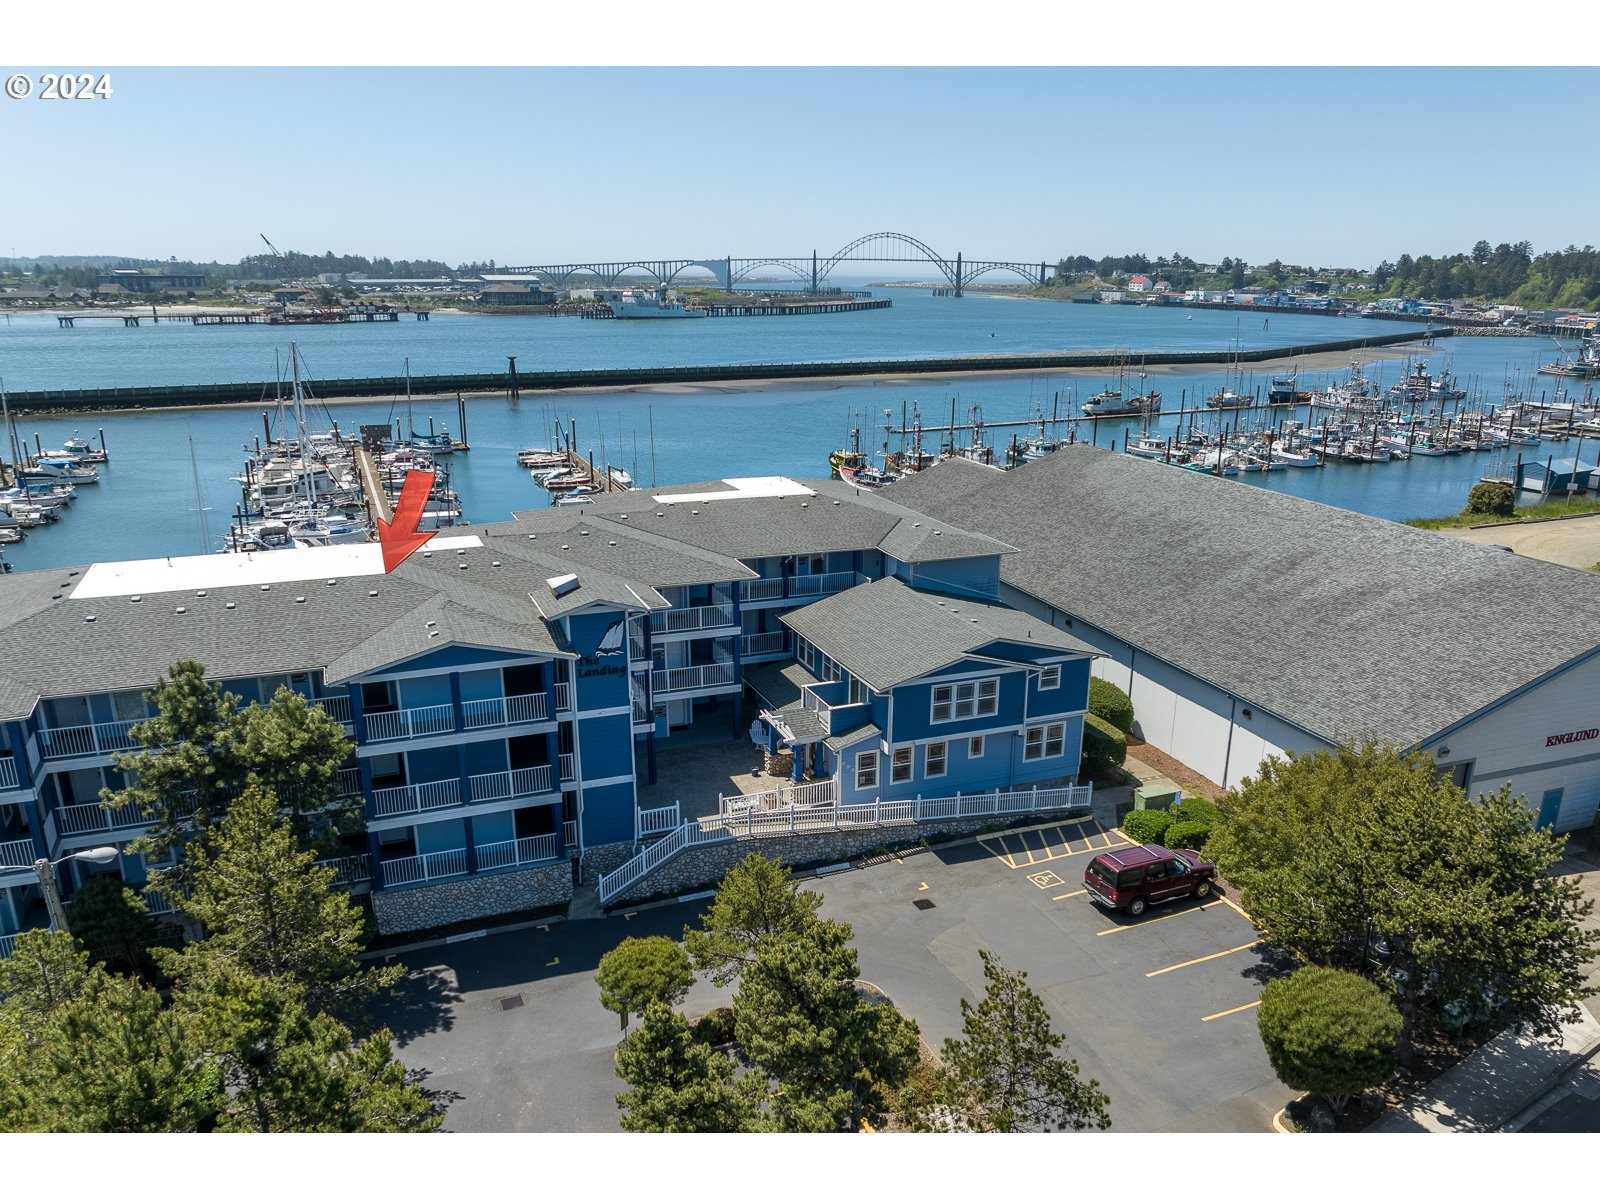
794,819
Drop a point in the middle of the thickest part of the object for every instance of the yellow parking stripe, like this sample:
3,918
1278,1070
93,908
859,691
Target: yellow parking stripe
1236,908
1186,912
1207,958
1230,1011
1070,895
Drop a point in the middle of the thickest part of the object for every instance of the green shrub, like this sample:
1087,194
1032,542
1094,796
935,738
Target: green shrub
1111,704
1491,499
1327,1031
1104,745
1186,835
715,1028
1196,808
1147,825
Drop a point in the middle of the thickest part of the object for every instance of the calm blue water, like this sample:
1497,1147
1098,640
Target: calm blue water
145,505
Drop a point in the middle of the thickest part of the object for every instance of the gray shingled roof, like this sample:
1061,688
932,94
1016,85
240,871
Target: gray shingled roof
778,684
1340,623
885,633
862,733
839,517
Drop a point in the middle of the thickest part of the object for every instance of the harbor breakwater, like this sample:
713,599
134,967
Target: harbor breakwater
512,382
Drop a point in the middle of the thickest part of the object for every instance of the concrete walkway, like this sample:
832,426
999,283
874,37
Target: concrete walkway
1481,1094
1573,542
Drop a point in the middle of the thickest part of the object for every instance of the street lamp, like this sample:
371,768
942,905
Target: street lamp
46,871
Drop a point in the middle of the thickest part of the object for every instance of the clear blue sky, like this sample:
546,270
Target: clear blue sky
526,165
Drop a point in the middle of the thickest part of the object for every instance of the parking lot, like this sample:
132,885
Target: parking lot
1160,1009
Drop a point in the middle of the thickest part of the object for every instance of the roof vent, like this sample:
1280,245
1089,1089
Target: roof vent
202,595
180,610
533,537
333,583
373,592
230,604
622,516
560,585
583,533
460,552
427,554
90,617
266,587
299,599
937,532
804,504
836,503
461,566
434,634
916,524
57,596
612,542
564,546
134,599
70,574
495,563
430,624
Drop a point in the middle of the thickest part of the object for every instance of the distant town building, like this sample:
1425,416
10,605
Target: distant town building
1140,283
289,295
138,281
520,294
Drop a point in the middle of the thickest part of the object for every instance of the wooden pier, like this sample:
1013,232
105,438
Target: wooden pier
756,308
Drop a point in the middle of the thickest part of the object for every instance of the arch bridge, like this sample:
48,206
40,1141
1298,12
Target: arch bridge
813,270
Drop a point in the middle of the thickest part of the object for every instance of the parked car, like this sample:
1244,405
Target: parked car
1135,877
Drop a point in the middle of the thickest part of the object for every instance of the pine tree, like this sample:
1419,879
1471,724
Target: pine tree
287,1069
678,1085
643,971
45,971
756,902
1006,1074
110,1060
801,1019
114,923
268,909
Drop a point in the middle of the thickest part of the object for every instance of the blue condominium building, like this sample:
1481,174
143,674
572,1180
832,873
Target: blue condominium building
510,690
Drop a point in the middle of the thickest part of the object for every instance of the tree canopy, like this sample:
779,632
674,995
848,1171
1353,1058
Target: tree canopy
1370,860
678,1085
1328,1031
641,972
756,901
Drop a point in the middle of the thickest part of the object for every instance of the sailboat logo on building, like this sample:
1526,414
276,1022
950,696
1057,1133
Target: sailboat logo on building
611,643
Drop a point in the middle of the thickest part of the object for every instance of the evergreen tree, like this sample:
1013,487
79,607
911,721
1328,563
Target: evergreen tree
287,1069
268,909
756,902
1007,1075
1367,859
110,1060
678,1085
641,972
45,971
1329,1032
113,922
799,1017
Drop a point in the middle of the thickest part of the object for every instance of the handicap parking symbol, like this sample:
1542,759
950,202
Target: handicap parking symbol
1045,879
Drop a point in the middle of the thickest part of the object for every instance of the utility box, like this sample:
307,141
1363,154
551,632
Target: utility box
1157,795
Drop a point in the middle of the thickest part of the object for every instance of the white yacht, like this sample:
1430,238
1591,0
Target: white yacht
639,303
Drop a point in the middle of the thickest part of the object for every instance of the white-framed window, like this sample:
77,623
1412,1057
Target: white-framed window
963,701
858,691
900,768
935,760
866,770
1045,741
1050,678
975,747
128,706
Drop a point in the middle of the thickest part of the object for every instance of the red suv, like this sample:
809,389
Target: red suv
1135,877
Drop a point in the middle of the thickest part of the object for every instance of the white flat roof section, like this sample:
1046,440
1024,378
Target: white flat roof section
151,576
758,487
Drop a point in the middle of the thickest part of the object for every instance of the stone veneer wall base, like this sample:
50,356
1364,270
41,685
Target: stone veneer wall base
407,910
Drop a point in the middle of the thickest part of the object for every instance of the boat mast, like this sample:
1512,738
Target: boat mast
199,504
300,425
11,433
411,425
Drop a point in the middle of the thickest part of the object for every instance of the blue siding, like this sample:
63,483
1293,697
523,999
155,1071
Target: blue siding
447,657
607,814
484,758
913,708
493,827
959,577
441,835
424,692
428,766
481,685
1071,696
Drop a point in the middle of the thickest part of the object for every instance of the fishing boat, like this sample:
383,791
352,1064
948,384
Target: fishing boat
1226,397
50,471
1585,364
868,477
650,304
1149,447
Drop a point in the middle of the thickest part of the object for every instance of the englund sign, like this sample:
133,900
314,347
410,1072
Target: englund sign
1580,735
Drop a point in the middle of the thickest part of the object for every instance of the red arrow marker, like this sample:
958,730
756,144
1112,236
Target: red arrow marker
400,538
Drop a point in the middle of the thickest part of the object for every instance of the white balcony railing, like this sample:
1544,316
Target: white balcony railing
688,620
416,797
8,772
504,710
567,772
96,818
689,679
77,741
18,854
517,853
822,585
337,707
763,645
507,785
569,830
760,589
422,867
653,822
349,871
410,722
8,944
563,697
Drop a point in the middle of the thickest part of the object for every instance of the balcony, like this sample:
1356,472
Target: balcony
755,646
400,723
509,785
20,853
567,772
78,741
563,697
692,620
415,797
337,707
504,710
347,872
517,853
691,679
760,589
8,773
569,830
421,868
805,586
73,819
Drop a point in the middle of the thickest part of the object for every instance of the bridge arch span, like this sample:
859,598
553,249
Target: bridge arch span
801,272
946,268
984,268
